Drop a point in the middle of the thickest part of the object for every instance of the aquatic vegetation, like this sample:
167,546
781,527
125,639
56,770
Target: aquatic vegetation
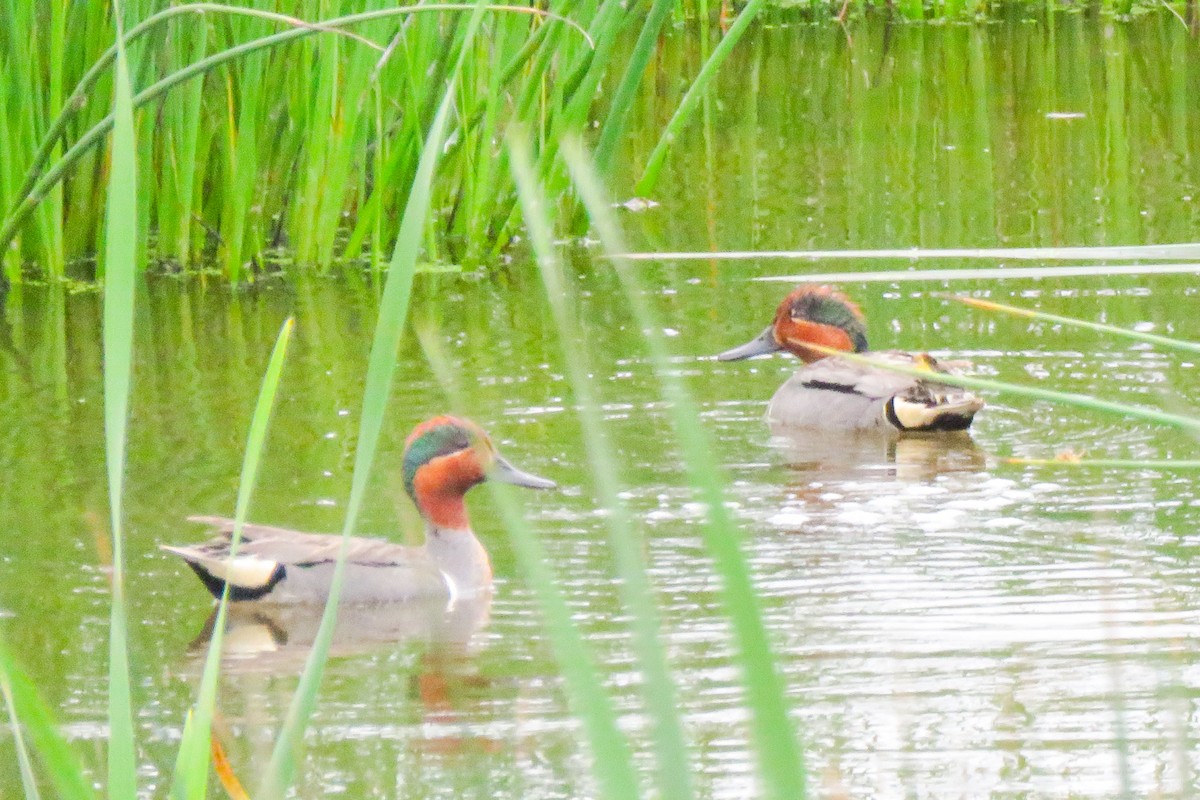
427,173
268,141
250,148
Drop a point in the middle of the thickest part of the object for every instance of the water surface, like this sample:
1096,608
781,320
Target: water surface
948,625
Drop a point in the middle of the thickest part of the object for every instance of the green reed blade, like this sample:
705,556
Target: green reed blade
27,710
40,182
1163,341
775,742
691,99
242,164
24,762
380,369
635,70
612,759
176,225
121,246
191,769
1190,424
659,693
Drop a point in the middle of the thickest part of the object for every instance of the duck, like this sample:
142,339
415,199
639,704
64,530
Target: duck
444,457
838,394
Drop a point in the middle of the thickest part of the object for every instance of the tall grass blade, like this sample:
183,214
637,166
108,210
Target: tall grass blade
775,741
1028,313
121,246
380,368
623,98
27,709
191,770
613,761
659,694
24,763
1190,424
691,99
1103,463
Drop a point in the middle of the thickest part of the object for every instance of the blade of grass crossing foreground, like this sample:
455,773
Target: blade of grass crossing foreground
1163,341
191,768
1103,463
1190,424
659,691
27,709
380,368
612,759
121,237
28,779
775,742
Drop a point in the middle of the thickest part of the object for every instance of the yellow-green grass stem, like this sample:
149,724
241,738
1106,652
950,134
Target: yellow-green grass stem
24,762
191,768
1058,319
389,327
659,694
1104,463
612,764
691,99
120,267
1189,424
27,710
775,742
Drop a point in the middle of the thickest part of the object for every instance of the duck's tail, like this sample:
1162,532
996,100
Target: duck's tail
249,577
949,410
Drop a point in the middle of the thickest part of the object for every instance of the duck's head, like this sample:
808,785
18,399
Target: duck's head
811,314
444,457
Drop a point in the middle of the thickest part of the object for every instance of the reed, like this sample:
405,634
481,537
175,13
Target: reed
120,267
612,757
672,773
31,719
190,779
775,740
381,367
243,154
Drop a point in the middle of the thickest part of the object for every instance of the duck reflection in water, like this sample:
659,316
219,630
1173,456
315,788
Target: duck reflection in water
838,455
444,682
274,638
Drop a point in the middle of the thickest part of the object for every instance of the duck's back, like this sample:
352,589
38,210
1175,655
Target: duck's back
838,394
285,566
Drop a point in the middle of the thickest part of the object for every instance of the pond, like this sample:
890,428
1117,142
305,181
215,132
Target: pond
948,624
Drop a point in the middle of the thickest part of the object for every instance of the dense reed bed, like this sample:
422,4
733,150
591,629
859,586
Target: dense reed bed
263,143
301,144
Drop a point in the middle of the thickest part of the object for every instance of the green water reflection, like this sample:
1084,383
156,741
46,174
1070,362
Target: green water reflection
944,621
